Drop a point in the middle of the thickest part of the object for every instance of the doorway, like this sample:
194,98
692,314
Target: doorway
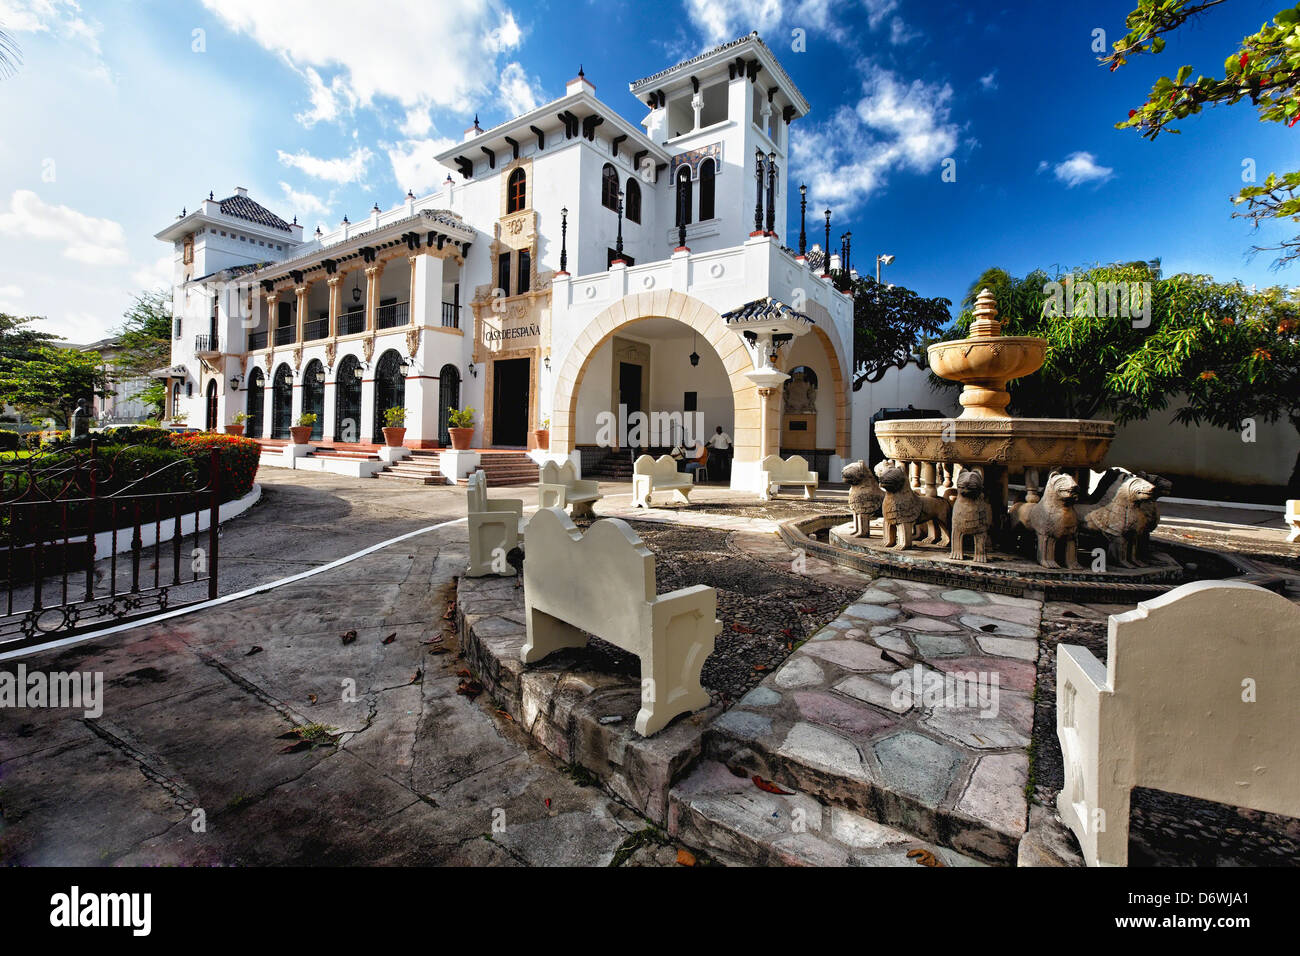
281,402
510,384
448,398
210,420
347,399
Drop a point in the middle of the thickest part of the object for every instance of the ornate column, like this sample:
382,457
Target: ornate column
336,294
373,272
272,317
301,293
410,298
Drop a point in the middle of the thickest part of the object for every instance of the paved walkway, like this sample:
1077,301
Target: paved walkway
402,769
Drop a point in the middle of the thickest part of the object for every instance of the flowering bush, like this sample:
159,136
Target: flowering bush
236,457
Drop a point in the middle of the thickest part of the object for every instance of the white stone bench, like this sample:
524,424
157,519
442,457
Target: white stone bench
1197,697
558,486
773,473
650,475
495,528
1293,519
603,583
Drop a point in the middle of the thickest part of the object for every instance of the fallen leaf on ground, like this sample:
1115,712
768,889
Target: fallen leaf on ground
924,857
295,748
503,713
685,858
470,688
742,629
767,786
255,649
463,673
805,610
418,674
312,698
760,667
390,638
349,637
438,650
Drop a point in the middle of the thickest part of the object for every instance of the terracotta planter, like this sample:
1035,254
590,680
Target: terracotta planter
542,436
235,430
393,437
461,438
301,434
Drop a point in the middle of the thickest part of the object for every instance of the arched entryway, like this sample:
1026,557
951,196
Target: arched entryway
347,399
256,403
210,414
448,398
281,402
313,396
390,386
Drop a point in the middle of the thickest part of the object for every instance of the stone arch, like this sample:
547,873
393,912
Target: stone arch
840,382
694,314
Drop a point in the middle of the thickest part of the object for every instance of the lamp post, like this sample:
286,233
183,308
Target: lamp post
848,249
758,191
681,219
826,254
564,239
618,243
771,193
803,209
887,260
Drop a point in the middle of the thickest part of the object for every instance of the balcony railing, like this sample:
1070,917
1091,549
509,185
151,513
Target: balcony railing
256,340
350,323
450,315
316,329
392,315
284,335
205,343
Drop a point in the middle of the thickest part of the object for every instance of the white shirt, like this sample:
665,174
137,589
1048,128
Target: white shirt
720,441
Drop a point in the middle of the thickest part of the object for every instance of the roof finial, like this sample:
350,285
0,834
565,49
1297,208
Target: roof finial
295,220
210,198
580,73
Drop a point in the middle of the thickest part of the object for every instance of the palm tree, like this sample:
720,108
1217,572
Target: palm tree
10,55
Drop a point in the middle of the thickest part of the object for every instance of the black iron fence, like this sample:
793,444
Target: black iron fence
88,541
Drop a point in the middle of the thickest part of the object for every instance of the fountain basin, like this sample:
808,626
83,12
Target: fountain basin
984,365
1013,443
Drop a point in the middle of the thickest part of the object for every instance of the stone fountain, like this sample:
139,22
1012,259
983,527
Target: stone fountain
985,436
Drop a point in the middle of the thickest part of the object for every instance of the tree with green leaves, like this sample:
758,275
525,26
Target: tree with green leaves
1217,352
51,380
18,341
144,340
1264,68
890,324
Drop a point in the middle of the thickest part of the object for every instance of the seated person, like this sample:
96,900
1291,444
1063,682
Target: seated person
696,455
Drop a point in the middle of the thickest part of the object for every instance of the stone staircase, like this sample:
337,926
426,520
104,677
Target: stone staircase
868,777
420,468
606,464
508,468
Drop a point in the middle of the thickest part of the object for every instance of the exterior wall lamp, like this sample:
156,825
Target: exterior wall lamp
235,381
472,370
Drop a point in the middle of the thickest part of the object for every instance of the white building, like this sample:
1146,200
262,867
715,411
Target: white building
549,280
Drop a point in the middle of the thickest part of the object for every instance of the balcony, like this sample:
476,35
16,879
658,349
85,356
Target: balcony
450,315
205,345
316,329
284,335
392,315
352,323
256,341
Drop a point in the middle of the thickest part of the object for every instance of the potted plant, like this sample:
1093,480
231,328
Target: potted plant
237,428
394,426
301,432
542,436
460,424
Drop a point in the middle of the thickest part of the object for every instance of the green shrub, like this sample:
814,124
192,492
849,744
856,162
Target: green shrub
137,435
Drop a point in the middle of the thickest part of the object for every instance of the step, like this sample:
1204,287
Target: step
736,822
415,479
827,722
349,455
413,470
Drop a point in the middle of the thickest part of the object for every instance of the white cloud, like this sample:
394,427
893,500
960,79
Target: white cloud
990,80
900,33
517,93
441,55
344,169
1081,167
1043,166
414,167
895,127
304,204
158,273
9,296
418,122
62,17
720,22
84,238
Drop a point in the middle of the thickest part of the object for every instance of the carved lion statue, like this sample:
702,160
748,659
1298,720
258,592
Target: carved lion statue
1115,511
906,511
971,515
1150,511
865,497
1052,520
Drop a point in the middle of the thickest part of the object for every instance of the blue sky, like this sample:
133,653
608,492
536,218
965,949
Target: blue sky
122,113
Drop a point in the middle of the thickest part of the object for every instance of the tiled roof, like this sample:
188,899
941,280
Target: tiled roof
241,207
816,258
767,308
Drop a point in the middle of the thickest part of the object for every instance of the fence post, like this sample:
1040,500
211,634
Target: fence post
214,513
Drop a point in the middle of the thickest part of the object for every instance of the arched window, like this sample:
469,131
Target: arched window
706,190
313,396
347,399
176,398
684,196
256,400
632,203
609,187
390,387
516,191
